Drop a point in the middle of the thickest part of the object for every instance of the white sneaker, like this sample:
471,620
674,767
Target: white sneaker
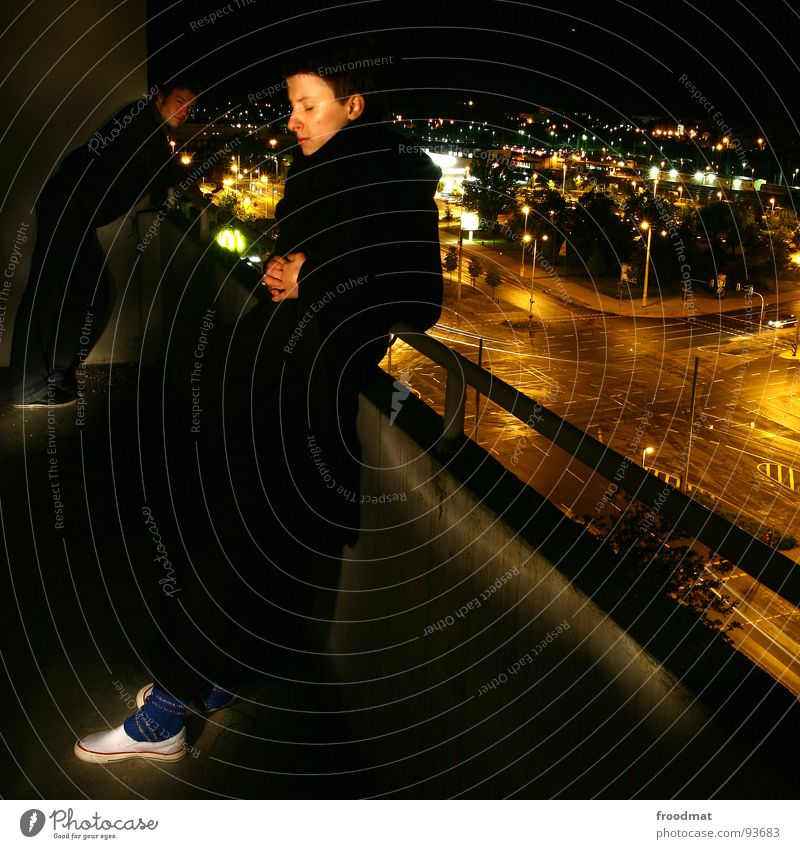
115,745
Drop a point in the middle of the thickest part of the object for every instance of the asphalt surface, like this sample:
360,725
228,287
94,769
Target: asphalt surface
626,379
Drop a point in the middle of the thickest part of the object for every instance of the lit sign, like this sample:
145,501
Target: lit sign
470,221
231,240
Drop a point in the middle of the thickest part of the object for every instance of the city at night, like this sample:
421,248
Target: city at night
400,402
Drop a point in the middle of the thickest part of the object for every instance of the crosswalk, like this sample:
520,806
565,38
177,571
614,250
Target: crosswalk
674,480
785,476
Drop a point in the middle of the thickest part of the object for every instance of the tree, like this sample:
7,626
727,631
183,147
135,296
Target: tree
475,269
726,227
228,200
598,236
450,262
548,214
493,279
491,189
645,552
596,262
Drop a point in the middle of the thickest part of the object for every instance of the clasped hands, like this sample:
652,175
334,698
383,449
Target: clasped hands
281,275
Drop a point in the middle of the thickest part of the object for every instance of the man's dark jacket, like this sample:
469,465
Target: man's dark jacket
127,157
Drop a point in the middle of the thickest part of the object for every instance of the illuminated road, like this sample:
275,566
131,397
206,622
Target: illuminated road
610,375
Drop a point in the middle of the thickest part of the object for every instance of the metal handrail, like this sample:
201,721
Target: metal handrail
763,563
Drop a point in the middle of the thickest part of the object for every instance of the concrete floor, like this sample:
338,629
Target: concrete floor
77,625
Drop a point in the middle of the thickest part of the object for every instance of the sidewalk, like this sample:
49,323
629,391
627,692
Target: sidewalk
582,291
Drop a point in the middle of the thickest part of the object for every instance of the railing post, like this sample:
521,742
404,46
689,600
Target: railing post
204,223
455,401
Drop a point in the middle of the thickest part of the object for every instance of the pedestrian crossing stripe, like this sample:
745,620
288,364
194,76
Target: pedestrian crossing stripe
784,475
675,480
669,478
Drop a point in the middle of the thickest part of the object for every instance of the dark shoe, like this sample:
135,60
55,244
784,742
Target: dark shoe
56,396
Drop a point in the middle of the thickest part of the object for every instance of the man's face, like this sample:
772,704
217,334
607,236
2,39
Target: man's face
316,113
175,107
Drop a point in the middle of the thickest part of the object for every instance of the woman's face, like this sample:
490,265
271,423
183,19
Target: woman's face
316,113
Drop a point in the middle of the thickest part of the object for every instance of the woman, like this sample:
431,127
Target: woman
357,251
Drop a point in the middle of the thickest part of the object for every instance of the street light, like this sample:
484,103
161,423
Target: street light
265,180
533,274
648,450
526,240
772,201
750,292
655,173
526,211
646,226
469,221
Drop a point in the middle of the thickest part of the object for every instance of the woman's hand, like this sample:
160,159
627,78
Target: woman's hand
281,276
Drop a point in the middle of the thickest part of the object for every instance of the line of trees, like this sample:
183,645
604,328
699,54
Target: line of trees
599,233
475,269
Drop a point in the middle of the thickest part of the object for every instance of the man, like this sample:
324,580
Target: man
69,294
357,251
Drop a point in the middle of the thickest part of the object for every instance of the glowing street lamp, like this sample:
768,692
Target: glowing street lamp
772,201
526,240
646,226
470,221
655,173
648,450
533,275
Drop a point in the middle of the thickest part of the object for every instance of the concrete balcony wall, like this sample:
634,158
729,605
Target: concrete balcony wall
72,68
181,279
633,698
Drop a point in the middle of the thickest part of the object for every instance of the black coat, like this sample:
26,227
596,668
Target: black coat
127,157
361,208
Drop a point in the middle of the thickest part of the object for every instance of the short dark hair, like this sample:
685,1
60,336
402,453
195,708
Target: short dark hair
350,66
183,79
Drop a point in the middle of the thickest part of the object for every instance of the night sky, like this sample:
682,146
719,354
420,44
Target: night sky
609,58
